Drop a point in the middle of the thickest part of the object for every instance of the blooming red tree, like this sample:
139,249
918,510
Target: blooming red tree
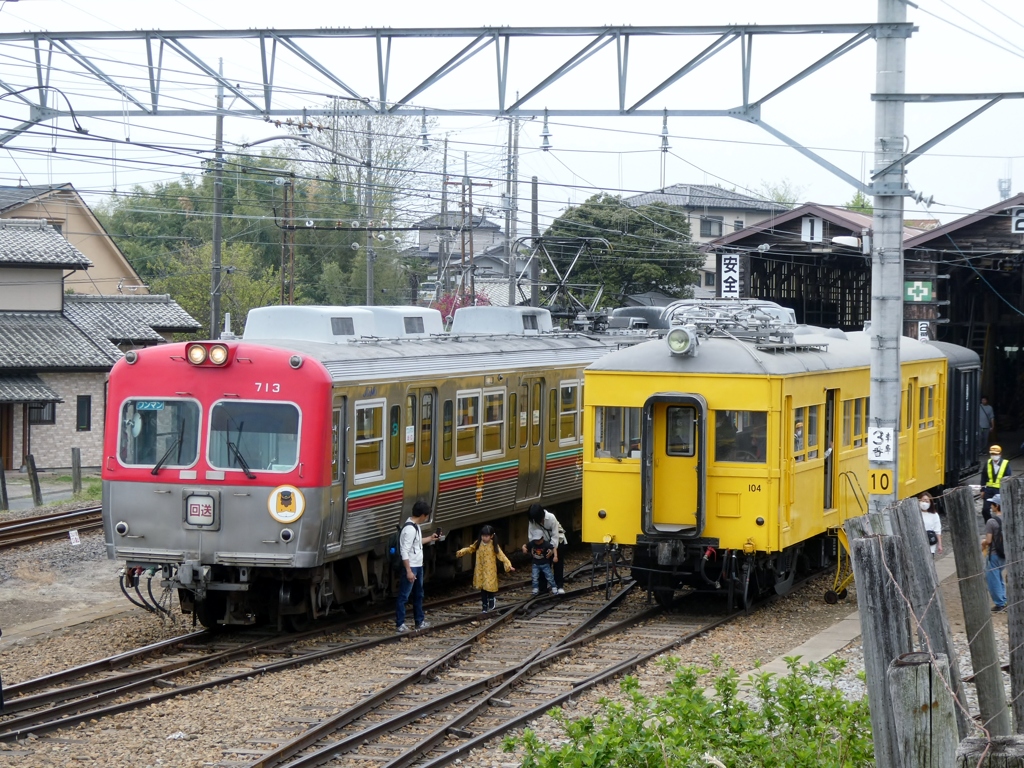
449,302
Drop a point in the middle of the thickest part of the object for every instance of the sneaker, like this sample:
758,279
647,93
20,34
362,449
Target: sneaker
554,590
423,625
998,608
560,591
401,629
536,592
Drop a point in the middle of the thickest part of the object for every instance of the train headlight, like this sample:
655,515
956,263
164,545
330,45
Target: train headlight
218,354
196,354
682,340
121,528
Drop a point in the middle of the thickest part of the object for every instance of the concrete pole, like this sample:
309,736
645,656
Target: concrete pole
218,195
510,269
369,212
445,231
535,232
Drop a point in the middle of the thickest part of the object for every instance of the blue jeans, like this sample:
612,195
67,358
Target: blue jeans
994,566
404,588
539,567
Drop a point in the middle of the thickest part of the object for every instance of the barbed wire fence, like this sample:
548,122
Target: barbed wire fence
922,713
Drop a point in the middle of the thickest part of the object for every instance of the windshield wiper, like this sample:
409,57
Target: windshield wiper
176,443
241,460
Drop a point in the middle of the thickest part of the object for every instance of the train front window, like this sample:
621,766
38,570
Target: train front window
616,433
741,436
254,437
681,422
152,430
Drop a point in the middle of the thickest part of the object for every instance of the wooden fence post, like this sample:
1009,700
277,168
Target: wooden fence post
4,503
1000,752
76,471
885,631
981,638
928,609
922,703
33,481
1012,491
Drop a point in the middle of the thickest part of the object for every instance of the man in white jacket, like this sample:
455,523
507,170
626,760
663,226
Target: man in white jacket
544,525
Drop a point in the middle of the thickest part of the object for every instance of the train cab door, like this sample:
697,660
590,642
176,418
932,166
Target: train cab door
336,515
420,446
673,456
531,447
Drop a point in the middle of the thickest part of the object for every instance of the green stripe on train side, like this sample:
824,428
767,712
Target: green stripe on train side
473,470
358,494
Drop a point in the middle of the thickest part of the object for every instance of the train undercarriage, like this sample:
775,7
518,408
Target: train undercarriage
665,565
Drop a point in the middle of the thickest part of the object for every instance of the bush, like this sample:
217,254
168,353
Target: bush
799,720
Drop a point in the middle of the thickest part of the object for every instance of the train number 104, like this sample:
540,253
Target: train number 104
264,386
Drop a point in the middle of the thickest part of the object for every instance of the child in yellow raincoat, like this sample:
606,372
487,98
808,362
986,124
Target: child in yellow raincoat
485,573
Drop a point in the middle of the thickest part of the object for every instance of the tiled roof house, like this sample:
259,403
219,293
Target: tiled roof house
57,348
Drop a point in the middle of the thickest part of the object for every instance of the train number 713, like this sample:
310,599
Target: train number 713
264,386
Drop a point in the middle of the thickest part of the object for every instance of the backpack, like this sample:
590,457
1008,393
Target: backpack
394,549
997,538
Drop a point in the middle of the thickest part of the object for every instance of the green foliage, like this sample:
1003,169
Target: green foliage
861,203
800,720
785,192
632,250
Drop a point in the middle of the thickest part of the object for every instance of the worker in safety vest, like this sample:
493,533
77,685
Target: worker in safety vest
993,473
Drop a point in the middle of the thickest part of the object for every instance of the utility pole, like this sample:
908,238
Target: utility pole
467,184
284,236
442,239
218,193
511,207
290,232
535,232
369,212
887,264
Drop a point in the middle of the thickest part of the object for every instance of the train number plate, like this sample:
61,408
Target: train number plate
200,510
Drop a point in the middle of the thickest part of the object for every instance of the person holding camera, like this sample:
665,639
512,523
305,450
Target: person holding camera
410,544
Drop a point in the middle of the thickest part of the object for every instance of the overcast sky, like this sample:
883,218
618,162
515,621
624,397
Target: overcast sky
973,45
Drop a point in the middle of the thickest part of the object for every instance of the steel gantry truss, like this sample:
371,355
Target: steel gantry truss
139,85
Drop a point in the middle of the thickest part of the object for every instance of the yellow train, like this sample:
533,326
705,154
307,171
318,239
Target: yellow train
727,451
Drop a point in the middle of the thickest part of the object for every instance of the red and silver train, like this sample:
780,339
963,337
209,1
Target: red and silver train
261,477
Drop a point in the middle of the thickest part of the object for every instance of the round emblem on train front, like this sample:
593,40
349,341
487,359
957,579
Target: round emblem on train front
286,504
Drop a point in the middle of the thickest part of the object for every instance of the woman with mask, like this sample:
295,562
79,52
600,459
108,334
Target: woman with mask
932,523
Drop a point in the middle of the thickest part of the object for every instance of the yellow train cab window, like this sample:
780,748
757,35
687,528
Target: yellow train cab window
860,421
467,428
680,428
494,423
805,432
616,433
741,436
926,407
847,438
369,440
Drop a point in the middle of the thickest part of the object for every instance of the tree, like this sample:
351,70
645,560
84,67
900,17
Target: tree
631,249
246,283
785,192
861,203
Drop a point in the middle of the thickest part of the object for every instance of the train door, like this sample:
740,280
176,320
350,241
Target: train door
531,449
419,460
830,454
673,464
339,466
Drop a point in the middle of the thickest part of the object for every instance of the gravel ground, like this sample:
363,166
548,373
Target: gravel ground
50,578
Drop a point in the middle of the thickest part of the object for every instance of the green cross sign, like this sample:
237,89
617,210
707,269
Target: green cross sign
917,290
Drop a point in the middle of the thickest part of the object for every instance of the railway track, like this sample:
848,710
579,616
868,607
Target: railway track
28,530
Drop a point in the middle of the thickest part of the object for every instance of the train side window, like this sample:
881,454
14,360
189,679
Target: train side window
369,440
799,447
680,424
446,430
811,430
494,422
552,415
847,440
536,400
394,433
426,428
739,436
860,421
410,430
616,433
467,430
513,412
569,413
